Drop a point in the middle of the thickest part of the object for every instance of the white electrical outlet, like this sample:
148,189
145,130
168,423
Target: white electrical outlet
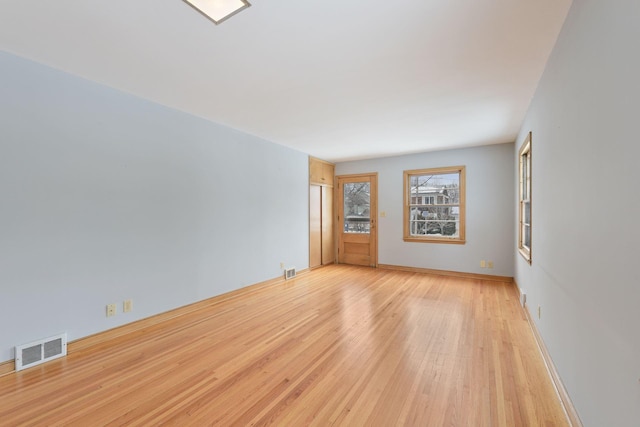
282,266
111,310
490,264
127,306
483,264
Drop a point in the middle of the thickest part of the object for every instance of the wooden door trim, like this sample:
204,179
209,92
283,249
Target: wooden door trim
373,211
357,175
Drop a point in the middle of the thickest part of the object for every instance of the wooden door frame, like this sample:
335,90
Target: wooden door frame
373,212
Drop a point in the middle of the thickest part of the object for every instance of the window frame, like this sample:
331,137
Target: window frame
524,186
460,239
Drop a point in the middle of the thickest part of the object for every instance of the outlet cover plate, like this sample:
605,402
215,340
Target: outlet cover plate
111,310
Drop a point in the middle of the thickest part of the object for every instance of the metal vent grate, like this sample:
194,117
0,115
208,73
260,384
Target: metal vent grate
31,355
52,348
290,273
37,352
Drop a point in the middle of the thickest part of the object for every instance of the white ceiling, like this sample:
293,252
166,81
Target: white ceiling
336,79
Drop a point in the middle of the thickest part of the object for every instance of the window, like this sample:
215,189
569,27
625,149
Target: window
357,202
524,200
434,205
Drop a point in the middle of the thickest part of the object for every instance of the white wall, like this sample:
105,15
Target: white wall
586,205
489,202
105,197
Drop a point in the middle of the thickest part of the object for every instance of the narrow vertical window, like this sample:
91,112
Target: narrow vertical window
524,197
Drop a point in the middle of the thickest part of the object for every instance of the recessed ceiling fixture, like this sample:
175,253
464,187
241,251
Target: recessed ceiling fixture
218,10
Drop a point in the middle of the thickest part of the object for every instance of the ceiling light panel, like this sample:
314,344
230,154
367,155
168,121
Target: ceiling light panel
218,10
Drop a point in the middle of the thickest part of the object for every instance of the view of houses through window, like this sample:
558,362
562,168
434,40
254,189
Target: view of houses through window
434,204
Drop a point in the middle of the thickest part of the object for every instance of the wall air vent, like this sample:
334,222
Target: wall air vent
37,352
289,273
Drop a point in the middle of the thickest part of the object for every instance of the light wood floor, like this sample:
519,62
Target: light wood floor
341,345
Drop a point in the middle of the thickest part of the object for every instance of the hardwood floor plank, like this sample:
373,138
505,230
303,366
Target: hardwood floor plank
341,345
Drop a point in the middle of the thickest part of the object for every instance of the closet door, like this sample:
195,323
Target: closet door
315,226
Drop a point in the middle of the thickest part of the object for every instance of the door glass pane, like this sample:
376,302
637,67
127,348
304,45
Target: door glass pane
356,207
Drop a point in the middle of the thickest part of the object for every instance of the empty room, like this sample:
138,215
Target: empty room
287,213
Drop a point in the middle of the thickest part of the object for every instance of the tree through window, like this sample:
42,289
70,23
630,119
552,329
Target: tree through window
357,199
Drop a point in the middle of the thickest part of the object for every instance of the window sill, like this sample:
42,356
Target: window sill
435,240
526,255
